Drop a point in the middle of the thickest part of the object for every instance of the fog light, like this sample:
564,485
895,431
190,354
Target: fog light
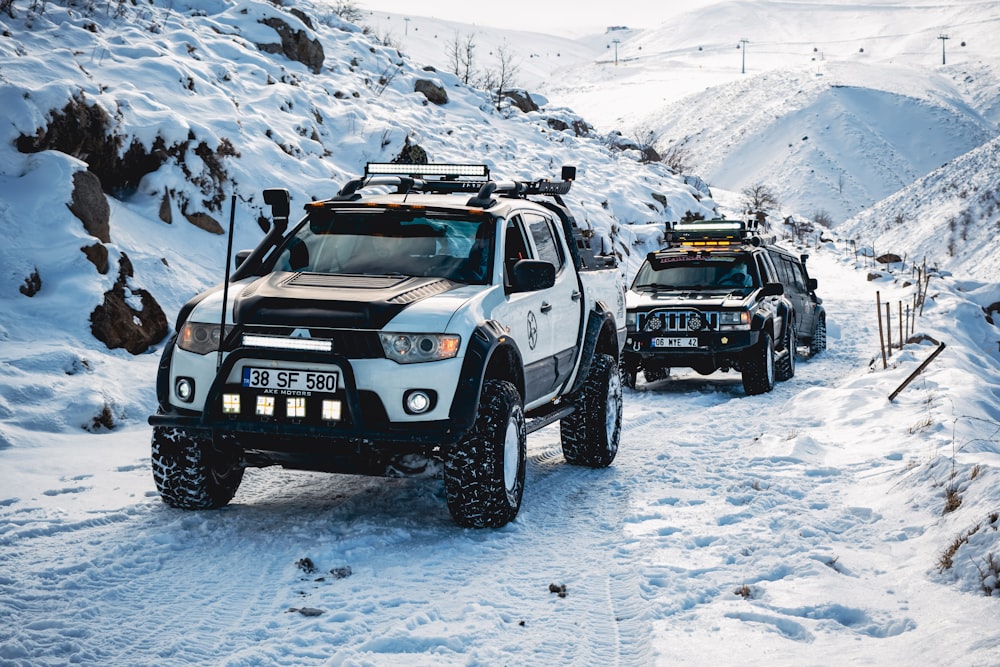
231,404
184,388
265,406
331,411
296,407
418,401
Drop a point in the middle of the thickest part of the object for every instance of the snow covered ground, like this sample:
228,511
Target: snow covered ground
805,526
818,524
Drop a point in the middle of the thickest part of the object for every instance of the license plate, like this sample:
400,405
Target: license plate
290,379
675,342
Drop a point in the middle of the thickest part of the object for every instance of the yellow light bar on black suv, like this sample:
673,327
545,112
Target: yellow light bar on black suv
710,233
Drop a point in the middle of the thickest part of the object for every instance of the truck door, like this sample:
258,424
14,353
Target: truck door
561,309
522,315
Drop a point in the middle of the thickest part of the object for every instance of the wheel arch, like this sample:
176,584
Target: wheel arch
491,355
600,337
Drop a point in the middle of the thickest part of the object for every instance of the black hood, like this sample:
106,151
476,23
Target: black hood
332,300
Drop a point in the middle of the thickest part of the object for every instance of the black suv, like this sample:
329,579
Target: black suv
721,297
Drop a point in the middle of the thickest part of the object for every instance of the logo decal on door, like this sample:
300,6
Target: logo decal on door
532,330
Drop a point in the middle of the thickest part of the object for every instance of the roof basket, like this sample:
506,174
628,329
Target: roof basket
452,178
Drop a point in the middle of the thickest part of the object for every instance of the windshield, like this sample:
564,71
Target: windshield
729,272
383,242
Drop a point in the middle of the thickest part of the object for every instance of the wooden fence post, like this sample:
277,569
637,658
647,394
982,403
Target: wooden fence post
902,329
888,329
881,341
917,372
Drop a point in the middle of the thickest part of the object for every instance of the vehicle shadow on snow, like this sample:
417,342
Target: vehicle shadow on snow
728,384
330,497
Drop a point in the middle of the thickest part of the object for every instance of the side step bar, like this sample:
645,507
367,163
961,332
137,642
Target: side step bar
549,416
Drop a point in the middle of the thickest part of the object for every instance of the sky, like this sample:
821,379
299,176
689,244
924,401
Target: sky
559,17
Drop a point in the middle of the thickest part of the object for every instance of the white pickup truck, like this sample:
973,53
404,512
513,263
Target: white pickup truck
420,322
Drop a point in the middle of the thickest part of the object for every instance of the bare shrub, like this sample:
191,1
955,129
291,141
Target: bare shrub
677,157
822,218
348,10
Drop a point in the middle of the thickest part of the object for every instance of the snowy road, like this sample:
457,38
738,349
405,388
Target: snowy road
773,529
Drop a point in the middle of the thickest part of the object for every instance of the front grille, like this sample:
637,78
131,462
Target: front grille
677,321
352,344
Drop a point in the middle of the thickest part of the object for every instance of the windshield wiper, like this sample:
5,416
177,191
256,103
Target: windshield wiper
655,286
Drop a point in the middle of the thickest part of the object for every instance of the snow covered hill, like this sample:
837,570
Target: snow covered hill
821,523
187,104
951,217
840,106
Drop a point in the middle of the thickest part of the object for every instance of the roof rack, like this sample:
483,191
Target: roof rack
718,233
412,178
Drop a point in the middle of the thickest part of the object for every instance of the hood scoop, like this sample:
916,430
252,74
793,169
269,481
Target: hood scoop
332,300
341,280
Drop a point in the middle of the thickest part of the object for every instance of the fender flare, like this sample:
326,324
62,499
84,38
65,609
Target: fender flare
163,375
487,341
598,320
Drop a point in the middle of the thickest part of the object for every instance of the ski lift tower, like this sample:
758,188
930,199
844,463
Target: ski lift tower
943,37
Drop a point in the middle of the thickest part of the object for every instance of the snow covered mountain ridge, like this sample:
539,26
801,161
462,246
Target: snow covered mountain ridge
835,106
841,106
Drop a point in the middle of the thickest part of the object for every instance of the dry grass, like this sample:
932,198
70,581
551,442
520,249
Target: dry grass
989,574
926,422
952,499
947,558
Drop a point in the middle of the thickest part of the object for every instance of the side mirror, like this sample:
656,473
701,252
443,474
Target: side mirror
772,289
280,202
241,257
812,285
531,275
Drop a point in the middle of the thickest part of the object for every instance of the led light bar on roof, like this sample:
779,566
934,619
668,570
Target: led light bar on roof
282,343
392,169
733,225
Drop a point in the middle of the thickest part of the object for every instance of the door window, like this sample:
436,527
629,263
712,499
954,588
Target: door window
546,243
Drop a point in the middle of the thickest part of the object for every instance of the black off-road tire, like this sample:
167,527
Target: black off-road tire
484,473
818,342
784,365
190,473
758,366
590,435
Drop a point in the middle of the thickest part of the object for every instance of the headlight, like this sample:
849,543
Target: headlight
404,348
734,317
630,321
200,338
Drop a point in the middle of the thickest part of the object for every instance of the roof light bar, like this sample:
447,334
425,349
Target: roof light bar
282,343
714,225
709,233
392,169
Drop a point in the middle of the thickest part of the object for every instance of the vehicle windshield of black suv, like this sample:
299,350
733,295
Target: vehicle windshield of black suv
707,271
384,242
